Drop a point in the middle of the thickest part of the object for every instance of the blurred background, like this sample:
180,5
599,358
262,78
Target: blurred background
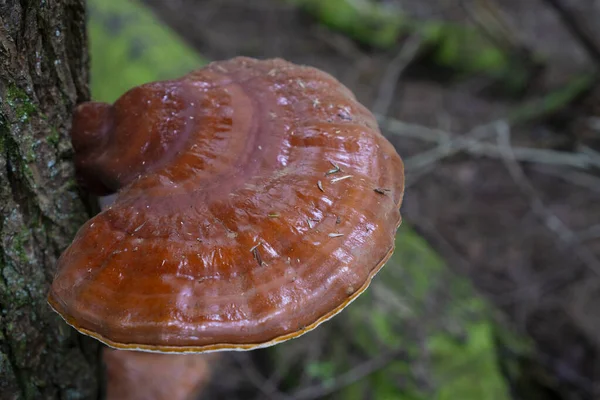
493,292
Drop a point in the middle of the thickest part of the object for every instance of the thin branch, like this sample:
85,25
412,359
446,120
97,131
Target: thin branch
588,151
348,378
591,233
550,219
267,388
452,254
583,179
493,24
577,28
449,144
388,84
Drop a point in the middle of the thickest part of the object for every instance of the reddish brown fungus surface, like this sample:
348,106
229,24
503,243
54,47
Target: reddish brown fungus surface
132,375
255,200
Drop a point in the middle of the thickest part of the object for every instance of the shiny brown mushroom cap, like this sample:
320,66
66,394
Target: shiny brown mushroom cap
256,199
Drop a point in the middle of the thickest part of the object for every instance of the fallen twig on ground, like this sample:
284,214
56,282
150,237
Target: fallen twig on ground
471,143
551,220
387,86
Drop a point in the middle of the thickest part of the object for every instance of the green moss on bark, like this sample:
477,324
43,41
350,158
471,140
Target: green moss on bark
40,210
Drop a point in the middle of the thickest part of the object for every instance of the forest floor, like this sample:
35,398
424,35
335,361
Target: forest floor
495,108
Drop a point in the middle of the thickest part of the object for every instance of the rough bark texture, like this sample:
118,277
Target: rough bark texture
43,74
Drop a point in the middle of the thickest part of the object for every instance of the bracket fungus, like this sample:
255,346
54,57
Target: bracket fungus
254,200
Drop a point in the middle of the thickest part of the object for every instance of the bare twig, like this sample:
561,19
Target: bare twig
338,42
578,29
388,84
551,220
588,151
449,144
353,375
492,23
583,179
267,388
313,352
546,285
591,233
447,147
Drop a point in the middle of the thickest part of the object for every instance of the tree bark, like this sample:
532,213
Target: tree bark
43,74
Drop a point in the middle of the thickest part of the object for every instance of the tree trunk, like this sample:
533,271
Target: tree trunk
43,74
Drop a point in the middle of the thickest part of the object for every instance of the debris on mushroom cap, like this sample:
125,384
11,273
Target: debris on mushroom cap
189,258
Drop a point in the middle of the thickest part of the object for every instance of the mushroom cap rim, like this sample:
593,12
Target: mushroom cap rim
225,346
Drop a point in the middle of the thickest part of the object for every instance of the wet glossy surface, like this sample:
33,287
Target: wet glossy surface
256,200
